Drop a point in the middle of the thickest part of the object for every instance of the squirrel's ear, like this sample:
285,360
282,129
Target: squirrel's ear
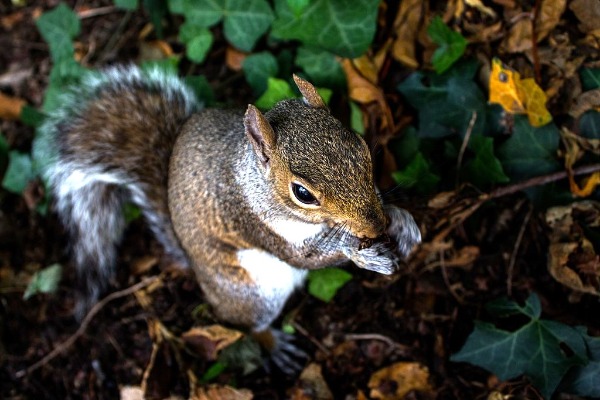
260,134
309,93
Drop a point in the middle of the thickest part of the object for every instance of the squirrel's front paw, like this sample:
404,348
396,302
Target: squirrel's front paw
402,230
379,257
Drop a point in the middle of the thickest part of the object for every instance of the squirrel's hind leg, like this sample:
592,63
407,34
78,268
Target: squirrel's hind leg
90,205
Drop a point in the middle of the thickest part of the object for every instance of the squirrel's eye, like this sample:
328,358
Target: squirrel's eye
303,195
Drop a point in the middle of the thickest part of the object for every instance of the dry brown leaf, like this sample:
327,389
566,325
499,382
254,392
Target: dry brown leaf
572,259
407,25
482,8
311,385
155,50
397,380
234,58
10,20
217,392
10,107
208,341
584,102
142,265
519,37
549,16
588,14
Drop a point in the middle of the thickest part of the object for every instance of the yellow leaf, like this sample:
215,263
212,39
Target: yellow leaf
397,380
588,187
518,96
534,99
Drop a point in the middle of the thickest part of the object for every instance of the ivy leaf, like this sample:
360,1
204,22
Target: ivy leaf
321,66
533,350
452,45
485,168
44,281
277,90
530,151
197,39
356,119
583,380
297,6
417,174
344,28
324,283
589,125
258,68
446,103
243,21
18,173
58,28
590,78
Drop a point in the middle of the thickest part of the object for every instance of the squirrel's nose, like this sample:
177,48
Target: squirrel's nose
373,226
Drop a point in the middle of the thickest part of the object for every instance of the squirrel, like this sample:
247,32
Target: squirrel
249,201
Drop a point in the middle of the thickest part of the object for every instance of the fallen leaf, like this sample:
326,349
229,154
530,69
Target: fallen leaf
588,14
208,341
217,392
234,58
572,259
10,107
549,16
397,380
142,265
518,96
482,8
519,36
586,101
311,385
407,25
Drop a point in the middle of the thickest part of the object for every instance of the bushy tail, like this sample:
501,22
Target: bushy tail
110,143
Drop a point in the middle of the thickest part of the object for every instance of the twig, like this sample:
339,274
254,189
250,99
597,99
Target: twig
465,143
304,332
96,12
539,180
513,256
84,324
376,336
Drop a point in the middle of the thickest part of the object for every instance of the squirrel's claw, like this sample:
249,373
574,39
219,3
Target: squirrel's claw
288,357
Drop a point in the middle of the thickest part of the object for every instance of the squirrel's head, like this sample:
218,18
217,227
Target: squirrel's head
320,171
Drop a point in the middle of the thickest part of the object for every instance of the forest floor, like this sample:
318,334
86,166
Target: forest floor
411,321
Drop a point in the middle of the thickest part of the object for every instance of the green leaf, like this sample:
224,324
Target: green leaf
213,371
452,45
407,147
197,39
530,151
446,103
44,281
201,87
127,4
325,94
258,68
533,350
297,6
58,28
30,116
322,67
277,90
324,283
418,175
589,125
583,380
244,22
590,78
345,28
485,168
157,9
503,307
19,172
356,119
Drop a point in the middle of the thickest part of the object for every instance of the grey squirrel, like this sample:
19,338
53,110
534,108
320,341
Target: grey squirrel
249,201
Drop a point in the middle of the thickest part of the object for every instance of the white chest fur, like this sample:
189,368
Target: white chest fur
275,278
294,231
